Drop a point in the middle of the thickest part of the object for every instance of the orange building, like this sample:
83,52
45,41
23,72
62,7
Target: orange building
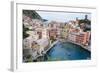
80,37
83,38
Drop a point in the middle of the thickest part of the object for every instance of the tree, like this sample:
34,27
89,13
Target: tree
32,14
24,32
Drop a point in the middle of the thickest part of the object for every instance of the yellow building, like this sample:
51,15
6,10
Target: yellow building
64,32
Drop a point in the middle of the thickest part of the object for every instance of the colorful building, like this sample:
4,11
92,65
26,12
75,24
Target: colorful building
80,37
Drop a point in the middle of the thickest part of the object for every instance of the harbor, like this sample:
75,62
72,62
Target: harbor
55,40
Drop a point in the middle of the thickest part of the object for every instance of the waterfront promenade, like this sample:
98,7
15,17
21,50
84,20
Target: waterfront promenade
45,51
85,47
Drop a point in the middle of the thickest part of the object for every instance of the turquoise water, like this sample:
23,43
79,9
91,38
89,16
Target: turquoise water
67,51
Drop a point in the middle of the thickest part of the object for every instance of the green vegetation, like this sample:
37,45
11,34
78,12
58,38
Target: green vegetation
29,58
24,32
32,14
52,39
85,21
